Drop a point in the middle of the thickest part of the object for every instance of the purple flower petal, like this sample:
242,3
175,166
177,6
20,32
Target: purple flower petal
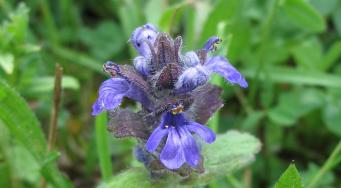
141,65
191,78
155,138
189,147
220,65
172,155
190,59
140,36
112,92
204,132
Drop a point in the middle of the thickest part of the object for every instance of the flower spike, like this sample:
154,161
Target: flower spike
176,100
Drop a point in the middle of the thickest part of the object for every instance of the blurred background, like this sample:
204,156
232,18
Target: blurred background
289,51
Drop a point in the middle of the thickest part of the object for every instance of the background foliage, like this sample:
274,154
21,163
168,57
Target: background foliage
289,50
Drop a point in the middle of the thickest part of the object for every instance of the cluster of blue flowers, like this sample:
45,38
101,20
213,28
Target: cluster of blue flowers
175,96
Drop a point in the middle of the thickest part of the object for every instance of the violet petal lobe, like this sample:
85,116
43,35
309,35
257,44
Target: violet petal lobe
203,131
191,78
189,147
112,92
155,138
139,37
190,59
141,65
172,155
220,65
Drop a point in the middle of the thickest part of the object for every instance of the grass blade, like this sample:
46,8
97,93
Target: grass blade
103,146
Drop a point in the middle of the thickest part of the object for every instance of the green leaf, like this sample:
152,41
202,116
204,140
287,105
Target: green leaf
326,180
18,23
241,38
325,7
7,63
230,152
308,54
20,121
280,74
46,84
131,16
25,166
76,57
252,120
5,175
304,15
136,177
24,126
104,41
51,158
294,105
337,19
154,10
222,11
171,15
290,179
332,55
332,116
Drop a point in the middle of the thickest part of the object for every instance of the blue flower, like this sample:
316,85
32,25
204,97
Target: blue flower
198,69
175,98
111,94
180,146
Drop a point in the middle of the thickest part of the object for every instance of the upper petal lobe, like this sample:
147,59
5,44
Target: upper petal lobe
220,65
112,92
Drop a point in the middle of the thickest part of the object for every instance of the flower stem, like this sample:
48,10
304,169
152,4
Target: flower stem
103,147
328,165
54,113
56,103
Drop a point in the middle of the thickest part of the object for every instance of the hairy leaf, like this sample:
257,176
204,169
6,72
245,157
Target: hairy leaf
230,152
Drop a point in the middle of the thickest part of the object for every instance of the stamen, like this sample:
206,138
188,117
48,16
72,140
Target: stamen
211,44
111,68
178,109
